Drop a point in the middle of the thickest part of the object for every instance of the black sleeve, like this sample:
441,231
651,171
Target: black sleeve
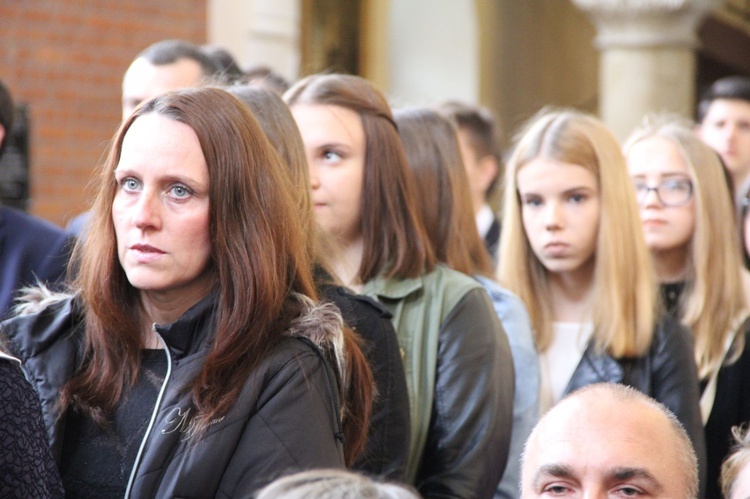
294,429
472,416
731,408
675,383
26,465
387,447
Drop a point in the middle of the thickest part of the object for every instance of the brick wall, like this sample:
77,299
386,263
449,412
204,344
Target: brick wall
66,59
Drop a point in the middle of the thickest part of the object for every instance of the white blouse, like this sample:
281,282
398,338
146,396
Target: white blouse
559,361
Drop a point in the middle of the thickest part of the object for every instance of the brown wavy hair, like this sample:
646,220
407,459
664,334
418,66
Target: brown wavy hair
279,125
394,239
434,155
254,276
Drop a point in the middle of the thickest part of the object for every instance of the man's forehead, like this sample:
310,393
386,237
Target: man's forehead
725,106
146,78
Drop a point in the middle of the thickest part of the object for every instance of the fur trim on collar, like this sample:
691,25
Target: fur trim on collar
321,323
34,299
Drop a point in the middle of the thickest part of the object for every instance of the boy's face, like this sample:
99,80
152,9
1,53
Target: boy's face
726,128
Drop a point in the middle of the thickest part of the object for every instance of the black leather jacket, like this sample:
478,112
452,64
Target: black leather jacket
388,436
286,417
667,373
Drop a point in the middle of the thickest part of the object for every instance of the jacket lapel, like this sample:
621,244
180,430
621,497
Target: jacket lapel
593,368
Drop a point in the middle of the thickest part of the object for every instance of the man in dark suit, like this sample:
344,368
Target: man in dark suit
31,249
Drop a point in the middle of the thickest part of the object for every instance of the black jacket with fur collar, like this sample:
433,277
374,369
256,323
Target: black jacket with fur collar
286,418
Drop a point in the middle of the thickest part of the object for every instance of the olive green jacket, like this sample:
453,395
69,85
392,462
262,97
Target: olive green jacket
459,374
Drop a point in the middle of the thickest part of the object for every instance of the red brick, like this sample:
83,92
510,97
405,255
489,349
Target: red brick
66,58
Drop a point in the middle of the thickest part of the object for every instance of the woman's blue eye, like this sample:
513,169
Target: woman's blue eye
180,191
130,184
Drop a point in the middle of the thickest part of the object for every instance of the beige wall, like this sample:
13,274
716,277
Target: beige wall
258,32
535,53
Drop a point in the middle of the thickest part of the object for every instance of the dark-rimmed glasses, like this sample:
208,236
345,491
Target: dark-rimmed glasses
670,192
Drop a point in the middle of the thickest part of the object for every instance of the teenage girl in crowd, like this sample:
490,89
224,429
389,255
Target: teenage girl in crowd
434,156
689,226
388,435
457,361
192,369
572,248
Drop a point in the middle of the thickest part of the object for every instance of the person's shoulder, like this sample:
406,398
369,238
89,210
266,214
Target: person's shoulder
13,219
40,318
667,327
671,340
451,280
318,327
355,305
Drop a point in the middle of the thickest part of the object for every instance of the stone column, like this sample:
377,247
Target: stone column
647,59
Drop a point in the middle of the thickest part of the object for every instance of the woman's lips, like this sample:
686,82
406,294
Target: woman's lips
653,222
556,248
145,253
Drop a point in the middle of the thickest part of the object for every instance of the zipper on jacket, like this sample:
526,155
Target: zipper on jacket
157,406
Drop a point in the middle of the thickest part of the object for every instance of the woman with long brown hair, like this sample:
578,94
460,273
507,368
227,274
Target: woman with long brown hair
459,371
185,362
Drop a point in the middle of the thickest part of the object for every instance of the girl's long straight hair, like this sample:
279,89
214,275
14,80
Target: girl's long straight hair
624,294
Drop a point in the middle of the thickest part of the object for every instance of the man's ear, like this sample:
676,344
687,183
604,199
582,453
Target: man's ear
488,171
2,135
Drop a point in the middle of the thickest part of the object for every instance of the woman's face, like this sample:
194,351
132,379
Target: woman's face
560,206
161,210
668,218
335,147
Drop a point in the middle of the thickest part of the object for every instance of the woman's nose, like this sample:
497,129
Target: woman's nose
314,179
146,212
553,217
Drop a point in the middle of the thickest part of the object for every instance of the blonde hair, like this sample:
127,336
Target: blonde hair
624,290
737,460
714,296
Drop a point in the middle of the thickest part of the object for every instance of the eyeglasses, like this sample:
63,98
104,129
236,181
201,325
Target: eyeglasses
671,192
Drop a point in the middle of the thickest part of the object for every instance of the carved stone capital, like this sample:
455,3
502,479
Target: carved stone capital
646,23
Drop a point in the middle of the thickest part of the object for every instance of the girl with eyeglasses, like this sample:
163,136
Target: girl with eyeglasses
689,227
572,250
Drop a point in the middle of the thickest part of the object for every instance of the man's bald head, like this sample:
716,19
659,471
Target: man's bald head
608,438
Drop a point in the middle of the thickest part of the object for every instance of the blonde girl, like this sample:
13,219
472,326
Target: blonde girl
573,250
